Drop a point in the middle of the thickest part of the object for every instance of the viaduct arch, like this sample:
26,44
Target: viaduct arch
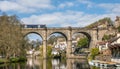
92,34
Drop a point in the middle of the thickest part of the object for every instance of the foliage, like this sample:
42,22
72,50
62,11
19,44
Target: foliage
107,37
14,59
52,39
82,42
118,29
41,51
11,37
49,50
22,58
94,52
2,60
99,22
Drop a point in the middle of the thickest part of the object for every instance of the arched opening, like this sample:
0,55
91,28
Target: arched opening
34,43
80,43
57,42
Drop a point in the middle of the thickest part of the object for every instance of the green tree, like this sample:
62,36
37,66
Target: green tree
52,39
82,42
94,52
107,37
49,50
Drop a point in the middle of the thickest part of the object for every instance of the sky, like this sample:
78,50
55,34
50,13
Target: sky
61,13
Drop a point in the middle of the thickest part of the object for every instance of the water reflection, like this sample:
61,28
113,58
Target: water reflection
51,64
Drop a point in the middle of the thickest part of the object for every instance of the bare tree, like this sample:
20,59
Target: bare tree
11,38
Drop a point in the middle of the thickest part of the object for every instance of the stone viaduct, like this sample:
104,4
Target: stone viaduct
93,35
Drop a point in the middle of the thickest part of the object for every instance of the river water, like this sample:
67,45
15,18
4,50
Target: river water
51,64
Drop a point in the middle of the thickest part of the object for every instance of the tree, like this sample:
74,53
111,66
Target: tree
11,37
83,42
107,37
94,52
52,39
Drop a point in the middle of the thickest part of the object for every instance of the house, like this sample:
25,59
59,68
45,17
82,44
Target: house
111,47
115,49
102,45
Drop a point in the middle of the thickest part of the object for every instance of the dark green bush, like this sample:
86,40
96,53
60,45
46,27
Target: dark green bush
22,59
14,59
18,59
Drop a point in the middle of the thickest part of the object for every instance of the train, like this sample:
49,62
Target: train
33,26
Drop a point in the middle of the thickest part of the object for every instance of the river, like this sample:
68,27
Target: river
51,64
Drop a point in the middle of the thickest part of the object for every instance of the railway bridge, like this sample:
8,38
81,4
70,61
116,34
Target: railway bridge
93,35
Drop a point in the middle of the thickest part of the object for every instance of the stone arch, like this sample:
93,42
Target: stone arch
59,33
86,34
33,32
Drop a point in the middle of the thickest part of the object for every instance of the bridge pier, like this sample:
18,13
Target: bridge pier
44,48
69,49
45,43
69,43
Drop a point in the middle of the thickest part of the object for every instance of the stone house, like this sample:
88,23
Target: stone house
114,47
111,48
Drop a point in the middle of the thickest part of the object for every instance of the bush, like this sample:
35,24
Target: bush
3,60
94,52
18,59
14,59
49,50
22,59
82,42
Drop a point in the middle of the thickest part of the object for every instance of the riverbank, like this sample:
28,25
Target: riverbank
13,60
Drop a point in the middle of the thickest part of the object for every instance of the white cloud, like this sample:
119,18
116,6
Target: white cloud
35,4
110,7
63,19
87,2
67,4
25,5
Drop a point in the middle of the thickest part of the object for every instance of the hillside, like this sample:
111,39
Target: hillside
105,22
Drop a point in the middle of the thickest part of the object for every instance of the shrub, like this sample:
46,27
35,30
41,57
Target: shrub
22,59
14,59
94,52
18,59
3,60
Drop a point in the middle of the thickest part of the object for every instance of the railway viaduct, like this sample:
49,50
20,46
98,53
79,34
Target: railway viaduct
93,35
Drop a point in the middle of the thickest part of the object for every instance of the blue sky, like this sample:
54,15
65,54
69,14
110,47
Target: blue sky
61,13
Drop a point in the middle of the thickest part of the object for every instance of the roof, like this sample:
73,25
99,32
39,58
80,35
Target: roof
113,39
102,42
114,46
